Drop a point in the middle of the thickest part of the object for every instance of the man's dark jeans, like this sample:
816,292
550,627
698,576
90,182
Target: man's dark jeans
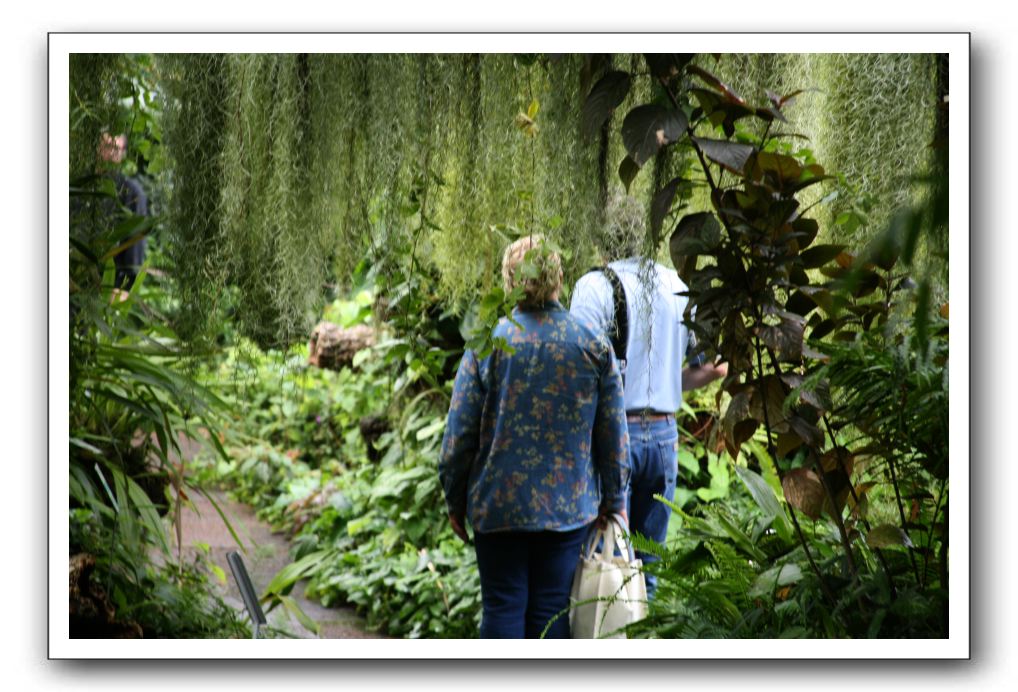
654,451
526,578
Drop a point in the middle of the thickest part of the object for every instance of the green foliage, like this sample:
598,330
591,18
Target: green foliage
132,407
281,178
289,168
869,117
369,524
134,403
732,574
251,206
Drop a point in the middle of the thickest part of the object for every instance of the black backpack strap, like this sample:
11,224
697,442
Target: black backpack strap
618,328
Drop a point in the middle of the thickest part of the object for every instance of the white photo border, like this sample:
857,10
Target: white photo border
957,45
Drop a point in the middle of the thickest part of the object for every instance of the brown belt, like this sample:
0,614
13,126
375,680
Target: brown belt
647,415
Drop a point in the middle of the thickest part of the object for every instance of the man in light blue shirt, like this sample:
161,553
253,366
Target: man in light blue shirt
654,377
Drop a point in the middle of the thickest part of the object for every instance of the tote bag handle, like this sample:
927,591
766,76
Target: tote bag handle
612,535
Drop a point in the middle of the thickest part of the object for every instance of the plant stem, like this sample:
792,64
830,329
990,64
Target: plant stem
773,452
891,466
901,513
929,536
855,498
819,469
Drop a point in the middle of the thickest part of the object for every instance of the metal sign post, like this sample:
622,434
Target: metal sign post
247,591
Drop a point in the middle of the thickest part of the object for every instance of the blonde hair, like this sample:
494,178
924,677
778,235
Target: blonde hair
547,283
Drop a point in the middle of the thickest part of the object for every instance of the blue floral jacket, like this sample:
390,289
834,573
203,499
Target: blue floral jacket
537,439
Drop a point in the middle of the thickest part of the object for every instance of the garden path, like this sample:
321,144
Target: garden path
265,554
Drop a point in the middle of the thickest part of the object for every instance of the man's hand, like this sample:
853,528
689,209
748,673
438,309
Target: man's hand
457,527
702,375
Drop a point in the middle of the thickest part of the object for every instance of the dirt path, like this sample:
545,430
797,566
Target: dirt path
266,553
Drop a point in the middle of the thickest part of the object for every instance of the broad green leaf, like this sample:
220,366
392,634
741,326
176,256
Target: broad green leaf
887,536
294,608
762,493
688,461
357,525
768,581
289,575
720,479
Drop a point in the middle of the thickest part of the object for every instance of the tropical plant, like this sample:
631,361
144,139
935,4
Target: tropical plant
765,297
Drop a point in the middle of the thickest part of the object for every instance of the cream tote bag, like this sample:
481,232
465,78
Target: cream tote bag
609,591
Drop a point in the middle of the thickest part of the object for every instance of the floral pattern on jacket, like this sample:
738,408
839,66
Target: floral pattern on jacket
537,439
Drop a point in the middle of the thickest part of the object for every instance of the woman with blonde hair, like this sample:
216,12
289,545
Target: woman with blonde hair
535,450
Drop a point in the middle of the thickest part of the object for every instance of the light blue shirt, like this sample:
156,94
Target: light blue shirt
657,338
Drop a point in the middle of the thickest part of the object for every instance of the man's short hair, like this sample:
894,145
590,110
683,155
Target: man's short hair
542,263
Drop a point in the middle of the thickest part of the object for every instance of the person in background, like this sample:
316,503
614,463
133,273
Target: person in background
535,450
130,194
652,346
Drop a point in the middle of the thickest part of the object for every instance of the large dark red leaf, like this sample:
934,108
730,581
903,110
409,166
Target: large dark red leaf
809,433
820,255
609,92
838,459
731,155
780,102
649,127
786,443
785,338
768,402
800,303
713,81
662,204
627,172
736,416
703,226
667,65
804,491
780,167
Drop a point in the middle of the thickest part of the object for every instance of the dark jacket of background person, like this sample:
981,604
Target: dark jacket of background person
537,439
132,196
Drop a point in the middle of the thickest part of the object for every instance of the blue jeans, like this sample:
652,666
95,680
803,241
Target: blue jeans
654,453
526,577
